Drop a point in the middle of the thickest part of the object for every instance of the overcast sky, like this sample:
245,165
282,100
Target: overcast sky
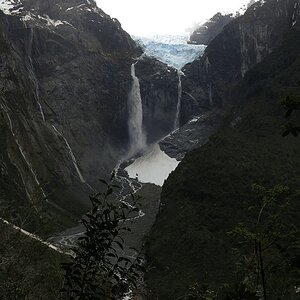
148,17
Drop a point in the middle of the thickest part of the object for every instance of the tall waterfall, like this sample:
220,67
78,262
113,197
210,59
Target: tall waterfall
33,76
210,95
135,122
177,121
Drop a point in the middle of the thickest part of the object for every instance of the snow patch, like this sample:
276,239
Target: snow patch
51,22
27,17
262,2
194,120
153,167
11,7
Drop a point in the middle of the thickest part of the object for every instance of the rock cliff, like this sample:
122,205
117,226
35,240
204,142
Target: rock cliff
159,91
65,79
242,44
204,34
210,191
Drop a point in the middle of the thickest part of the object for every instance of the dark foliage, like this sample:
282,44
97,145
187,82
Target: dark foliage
28,269
291,103
210,191
99,268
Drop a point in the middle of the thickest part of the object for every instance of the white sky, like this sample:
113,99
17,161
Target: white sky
150,17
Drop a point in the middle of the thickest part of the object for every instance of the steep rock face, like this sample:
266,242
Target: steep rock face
210,191
241,45
191,135
65,80
33,161
159,91
63,83
210,29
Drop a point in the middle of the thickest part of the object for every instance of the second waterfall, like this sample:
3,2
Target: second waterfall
177,117
135,122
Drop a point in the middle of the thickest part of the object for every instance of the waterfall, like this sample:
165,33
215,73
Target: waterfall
177,121
74,161
135,122
32,171
207,64
210,95
244,53
32,75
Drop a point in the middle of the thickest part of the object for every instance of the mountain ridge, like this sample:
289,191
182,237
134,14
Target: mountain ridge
204,34
65,81
210,191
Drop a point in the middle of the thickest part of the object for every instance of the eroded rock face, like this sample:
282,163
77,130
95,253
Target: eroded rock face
242,44
208,183
210,29
207,82
159,91
65,79
191,135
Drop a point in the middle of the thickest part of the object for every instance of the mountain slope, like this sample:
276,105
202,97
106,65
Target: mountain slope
65,79
210,191
210,29
56,82
242,44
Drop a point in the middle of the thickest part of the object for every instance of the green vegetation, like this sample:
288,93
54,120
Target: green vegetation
269,246
210,191
291,104
99,268
28,269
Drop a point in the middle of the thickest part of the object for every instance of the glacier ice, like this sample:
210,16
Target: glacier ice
171,49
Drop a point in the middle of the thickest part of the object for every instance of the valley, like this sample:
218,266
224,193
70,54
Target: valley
188,124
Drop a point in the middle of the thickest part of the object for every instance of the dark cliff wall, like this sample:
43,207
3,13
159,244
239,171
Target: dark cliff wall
65,79
210,191
242,44
210,29
159,91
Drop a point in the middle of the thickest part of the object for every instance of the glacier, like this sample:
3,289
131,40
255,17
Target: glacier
172,50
